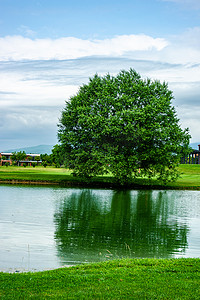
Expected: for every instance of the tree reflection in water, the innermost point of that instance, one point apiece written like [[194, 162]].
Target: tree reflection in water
[[128, 224]]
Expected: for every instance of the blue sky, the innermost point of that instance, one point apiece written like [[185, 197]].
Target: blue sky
[[49, 48]]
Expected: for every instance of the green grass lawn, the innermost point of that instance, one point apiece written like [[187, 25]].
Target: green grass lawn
[[34, 174], [190, 177], [122, 279]]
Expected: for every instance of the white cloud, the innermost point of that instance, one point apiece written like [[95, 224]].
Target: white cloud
[[189, 117], [191, 38], [20, 48], [180, 49], [27, 83], [18, 89], [26, 126]]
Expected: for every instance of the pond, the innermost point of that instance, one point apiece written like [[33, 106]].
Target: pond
[[47, 227]]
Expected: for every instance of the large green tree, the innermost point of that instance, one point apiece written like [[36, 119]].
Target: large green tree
[[125, 125]]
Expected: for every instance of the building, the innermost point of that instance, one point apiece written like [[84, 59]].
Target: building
[[192, 158], [5, 158]]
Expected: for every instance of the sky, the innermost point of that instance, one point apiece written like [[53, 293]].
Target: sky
[[48, 49]]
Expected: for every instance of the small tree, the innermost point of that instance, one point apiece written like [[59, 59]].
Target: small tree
[[46, 159], [57, 156], [122, 124], [18, 156], [44, 164], [37, 158]]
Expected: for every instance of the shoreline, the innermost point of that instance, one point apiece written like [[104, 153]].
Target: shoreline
[[94, 184], [23, 270]]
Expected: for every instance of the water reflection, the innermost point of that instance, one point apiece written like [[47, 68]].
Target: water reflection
[[92, 225]]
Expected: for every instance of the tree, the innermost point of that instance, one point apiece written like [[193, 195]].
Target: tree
[[46, 159], [57, 156], [17, 156], [37, 159], [125, 125]]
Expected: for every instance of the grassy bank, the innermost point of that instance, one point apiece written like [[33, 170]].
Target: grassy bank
[[190, 178], [124, 279], [50, 174]]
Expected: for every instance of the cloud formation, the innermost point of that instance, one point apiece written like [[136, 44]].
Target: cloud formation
[[38, 76], [21, 48]]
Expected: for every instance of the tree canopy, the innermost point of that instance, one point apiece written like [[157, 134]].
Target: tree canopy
[[125, 125], [17, 156]]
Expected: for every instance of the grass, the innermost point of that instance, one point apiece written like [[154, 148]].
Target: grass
[[190, 177], [121, 279], [34, 174]]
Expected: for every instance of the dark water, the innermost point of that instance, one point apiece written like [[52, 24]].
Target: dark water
[[44, 227]]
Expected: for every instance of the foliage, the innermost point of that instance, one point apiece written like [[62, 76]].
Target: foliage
[[46, 159], [44, 164], [124, 125], [57, 156], [17, 156], [37, 159], [119, 279]]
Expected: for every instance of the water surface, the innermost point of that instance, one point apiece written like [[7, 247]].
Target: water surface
[[43, 227]]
